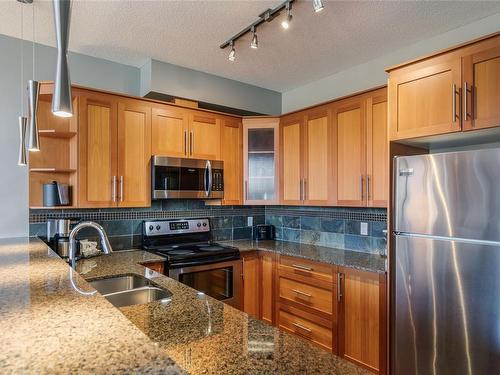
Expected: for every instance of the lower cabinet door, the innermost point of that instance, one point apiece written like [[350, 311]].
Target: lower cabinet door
[[267, 273], [251, 295], [308, 328]]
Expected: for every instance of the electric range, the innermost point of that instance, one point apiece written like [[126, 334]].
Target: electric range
[[194, 259]]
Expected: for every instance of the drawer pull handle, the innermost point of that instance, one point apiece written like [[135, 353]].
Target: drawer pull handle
[[302, 327], [302, 293], [300, 267]]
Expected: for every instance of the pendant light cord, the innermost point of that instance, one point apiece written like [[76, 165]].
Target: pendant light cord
[[22, 60], [33, 9]]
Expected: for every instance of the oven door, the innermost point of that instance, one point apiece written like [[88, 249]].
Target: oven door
[[186, 178], [221, 281]]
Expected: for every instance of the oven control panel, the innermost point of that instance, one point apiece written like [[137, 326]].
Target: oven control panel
[[165, 227]]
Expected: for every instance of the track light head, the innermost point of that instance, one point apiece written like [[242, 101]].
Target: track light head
[[318, 5], [232, 53], [286, 22], [255, 41]]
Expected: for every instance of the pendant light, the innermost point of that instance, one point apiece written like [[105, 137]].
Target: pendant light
[[62, 104], [255, 41], [232, 53], [318, 5], [22, 120], [33, 90]]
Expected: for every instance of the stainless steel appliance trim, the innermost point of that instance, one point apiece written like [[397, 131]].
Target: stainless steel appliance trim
[[165, 161], [235, 300], [208, 188], [165, 228], [179, 194]]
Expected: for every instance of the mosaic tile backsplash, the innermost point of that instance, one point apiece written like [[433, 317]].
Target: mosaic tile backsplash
[[325, 226]]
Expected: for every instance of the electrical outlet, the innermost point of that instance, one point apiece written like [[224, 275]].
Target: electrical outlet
[[364, 229], [250, 221]]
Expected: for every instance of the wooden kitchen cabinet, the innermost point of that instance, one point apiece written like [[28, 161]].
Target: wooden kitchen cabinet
[[232, 156], [267, 287], [98, 159], [361, 152], [169, 131], [251, 284], [261, 160], [425, 99], [134, 153], [204, 136], [114, 151], [362, 318], [291, 134]]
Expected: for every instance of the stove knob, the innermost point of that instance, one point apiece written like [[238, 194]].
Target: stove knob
[[158, 227], [151, 228], [199, 225], [204, 224]]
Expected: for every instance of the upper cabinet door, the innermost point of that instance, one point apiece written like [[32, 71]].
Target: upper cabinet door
[[232, 156], [134, 153], [204, 136], [481, 89], [261, 160], [377, 155], [425, 99], [97, 150], [349, 135], [318, 174], [291, 159], [169, 130]]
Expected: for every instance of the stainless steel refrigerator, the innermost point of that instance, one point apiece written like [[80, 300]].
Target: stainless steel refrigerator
[[446, 266]]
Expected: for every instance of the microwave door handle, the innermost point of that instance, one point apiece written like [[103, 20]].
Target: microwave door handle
[[208, 178]]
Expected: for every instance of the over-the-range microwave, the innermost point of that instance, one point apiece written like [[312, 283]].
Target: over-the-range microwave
[[175, 178]]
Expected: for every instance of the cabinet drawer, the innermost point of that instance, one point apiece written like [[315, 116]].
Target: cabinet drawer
[[306, 268], [318, 299], [306, 328]]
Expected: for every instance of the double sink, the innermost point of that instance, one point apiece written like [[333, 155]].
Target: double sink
[[130, 290]]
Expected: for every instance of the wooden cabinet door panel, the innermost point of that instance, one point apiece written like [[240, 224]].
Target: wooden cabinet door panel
[[251, 294], [204, 137], [134, 153], [291, 160], [426, 101], [360, 318], [232, 156], [480, 106], [349, 120], [169, 131], [315, 298], [317, 157], [377, 174], [309, 329], [97, 150], [267, 287]]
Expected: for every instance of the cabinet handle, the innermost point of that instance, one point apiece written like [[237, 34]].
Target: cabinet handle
[[302, 327], [300, 188], [191, 136], [300, 292], [368, 187], [361, 187], [121, 188], [454, 103], [339, 286], [185, 142], [305, 188], [465, 92], [301, 267], [113, 193], [246, 190]]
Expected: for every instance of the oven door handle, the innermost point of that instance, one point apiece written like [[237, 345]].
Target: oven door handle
[[198, 263], [208, 178]]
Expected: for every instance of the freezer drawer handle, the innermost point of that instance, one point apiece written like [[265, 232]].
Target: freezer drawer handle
[[406, 172]]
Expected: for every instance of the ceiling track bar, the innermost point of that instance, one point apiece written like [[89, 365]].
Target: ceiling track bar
[[266, 16]]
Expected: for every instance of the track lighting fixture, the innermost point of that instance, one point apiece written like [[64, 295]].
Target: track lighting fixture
[[318, 5], [232, 53], [255, 41], [267, 16], [288, 18]]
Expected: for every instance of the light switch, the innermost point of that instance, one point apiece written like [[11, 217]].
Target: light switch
[[364, 229], [250, 221]]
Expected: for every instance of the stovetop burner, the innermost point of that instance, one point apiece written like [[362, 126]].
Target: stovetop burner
[[211, 248], [179, 252]]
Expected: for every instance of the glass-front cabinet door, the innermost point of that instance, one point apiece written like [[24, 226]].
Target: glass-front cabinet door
[[261, 150]]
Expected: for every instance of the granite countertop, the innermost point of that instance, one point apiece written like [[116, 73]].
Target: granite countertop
[[340, 257], [49, 327]]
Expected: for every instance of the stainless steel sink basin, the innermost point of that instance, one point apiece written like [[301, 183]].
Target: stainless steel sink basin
[[119, 283], [139, 296], [130, 290]]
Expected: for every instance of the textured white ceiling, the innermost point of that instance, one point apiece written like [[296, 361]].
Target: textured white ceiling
[[188, 33]]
